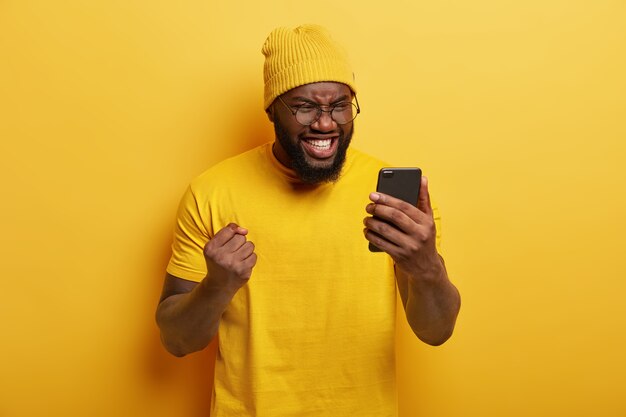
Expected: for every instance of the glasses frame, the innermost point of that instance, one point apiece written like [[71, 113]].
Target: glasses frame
[[320, 111]]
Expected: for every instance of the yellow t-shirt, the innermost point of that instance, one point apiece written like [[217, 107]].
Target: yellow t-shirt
[[312, 333]]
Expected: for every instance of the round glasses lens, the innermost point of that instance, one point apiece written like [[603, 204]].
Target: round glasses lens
[[341, 113], [307, 115], [344, 113]]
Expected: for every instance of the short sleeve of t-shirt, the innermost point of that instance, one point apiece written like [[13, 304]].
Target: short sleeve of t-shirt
[[191, 233]]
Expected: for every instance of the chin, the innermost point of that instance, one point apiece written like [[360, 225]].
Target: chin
[[317, 164], [309, 169]]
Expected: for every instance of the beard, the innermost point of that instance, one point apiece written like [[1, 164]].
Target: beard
[[308, 173]]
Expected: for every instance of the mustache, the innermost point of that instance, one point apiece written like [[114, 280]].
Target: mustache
[[307, 173]]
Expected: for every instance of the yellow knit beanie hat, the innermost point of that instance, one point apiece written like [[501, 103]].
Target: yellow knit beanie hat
[[304, 55]]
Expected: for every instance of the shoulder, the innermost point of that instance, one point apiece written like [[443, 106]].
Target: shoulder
[[360, 161], [360, 171], [230, 171]]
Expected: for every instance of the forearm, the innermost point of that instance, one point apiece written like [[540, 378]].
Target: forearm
[[431, 303], [189, 321]]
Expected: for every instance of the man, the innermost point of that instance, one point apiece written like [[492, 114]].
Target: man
[[306, 313]]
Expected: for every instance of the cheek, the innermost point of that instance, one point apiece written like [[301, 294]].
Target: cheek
[[289, 126], [295, 133]]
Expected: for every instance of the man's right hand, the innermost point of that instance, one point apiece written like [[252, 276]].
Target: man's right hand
[[230, 258], [189, 314]]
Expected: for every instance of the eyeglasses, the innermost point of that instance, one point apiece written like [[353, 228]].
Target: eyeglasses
[[307, 114]]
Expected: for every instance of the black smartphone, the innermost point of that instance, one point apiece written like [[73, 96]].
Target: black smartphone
[[402, 183]]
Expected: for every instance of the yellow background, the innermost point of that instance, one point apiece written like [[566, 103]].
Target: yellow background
[[515, 110]]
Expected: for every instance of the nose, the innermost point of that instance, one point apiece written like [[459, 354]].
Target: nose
[[325, 123]]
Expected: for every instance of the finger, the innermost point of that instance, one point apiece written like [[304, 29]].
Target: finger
[[397, 217], [238, 229], [245, 250], [250, 261], [234, 243], [423, 201], [381, 199], [380, 242], [248, 264], [386, 231], [227, 233]]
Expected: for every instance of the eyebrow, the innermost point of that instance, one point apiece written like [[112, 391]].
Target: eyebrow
[[308, 100]]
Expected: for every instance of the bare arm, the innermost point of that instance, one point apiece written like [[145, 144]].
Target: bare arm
[[189, 313], [431, 301]]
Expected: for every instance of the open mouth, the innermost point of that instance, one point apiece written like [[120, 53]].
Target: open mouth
[[320, 148]]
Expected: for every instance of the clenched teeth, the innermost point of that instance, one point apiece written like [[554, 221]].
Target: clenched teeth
[[320, 144]]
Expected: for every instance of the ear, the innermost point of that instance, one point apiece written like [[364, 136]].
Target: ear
[[270, 113]]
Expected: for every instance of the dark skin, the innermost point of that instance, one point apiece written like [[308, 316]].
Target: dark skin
[[189, 313], [324, 94], [431, 302]]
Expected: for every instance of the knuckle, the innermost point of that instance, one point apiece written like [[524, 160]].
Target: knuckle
[[404, 206], [245, 272], [253, 259], [396, 215], [426, 235], [210, 253], [228, 264]]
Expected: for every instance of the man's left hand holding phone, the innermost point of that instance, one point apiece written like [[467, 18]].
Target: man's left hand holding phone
[[406, 232]]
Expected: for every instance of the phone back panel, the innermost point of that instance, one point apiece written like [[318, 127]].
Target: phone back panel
[[402, 183]]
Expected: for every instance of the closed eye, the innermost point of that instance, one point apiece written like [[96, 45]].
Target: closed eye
[[306, 108], [342, 106]]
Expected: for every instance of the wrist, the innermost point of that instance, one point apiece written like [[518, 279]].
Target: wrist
[[211, 287], [428, 270]]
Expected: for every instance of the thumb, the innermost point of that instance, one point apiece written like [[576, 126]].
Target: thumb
[[237, 229], [423, 201]]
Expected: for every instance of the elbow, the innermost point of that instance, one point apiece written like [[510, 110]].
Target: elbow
[[435, 340], [174, 350], [440, 333], [435, 335], [178, 344], [178, 337], [171, 339], [180, 349]]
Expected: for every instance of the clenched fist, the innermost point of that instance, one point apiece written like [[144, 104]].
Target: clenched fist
[[230, 258]]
